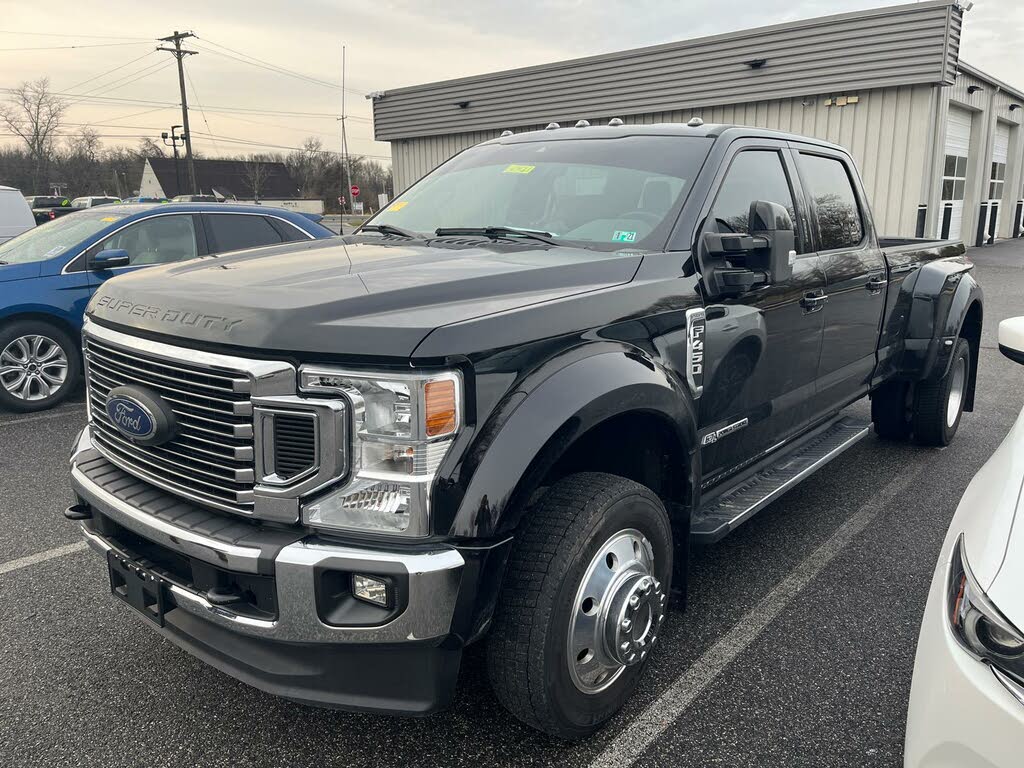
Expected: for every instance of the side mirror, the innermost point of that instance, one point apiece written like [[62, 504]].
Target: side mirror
[[763, 257], [110, 258], [1011, 339]]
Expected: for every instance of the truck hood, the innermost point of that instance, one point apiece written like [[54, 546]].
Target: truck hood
[[333, 297]]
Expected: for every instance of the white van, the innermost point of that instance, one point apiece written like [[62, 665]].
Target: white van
[[15, 215]]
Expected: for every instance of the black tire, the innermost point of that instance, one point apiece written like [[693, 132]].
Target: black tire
[[527, 657], [932, 420], [35, 398], [889, 411]]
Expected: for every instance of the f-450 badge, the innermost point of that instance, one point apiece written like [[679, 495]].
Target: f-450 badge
[[695, 327]]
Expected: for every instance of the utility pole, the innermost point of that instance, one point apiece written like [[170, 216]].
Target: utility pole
[[180, 54], [175, 138], [344, 142]]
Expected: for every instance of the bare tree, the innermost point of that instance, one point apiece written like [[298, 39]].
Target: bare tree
[[35, 114], [255, 173], [149, 148]]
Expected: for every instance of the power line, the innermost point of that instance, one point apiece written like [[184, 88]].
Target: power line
[[70, 47], [109, 71], [201, 110], [121, 82], [253, 60], [247, 142], [57, 34], [113, 100]]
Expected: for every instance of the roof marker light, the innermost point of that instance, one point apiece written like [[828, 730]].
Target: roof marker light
[[505, 133], [582, 124], [615, 122], [551, 126], [695, 122]]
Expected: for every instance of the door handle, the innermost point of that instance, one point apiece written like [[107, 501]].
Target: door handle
[[876, 284], [813, 302]]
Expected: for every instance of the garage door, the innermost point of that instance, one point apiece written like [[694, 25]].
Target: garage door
[[954, 173], [997, 177]]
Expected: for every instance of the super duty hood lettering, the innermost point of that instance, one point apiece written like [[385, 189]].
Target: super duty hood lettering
[[181, 317]]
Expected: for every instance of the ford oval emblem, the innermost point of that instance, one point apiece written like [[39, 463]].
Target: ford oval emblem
[[131, 417]]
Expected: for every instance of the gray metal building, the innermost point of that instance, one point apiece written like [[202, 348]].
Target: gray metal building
[[939, 143]]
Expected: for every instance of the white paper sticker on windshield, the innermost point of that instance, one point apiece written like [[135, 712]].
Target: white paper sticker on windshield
[[55, 250]]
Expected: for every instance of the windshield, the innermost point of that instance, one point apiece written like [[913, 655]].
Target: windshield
[[600, 193], [54, 238]]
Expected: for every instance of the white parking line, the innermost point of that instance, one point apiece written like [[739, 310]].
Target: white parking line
[[41, 557], [44, 416], [629, 745]]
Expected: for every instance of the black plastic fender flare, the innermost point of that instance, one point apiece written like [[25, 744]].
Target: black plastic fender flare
[[548, 412], [942, 296]]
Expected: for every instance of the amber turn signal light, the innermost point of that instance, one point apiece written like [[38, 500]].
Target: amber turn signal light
[[441, 413]]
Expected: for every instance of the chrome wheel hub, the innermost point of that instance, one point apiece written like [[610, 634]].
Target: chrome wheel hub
[[956, 392], [33, 367], [617, 613]]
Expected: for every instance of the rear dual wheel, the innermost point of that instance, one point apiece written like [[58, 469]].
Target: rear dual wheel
[[932, 410], [584, 600]]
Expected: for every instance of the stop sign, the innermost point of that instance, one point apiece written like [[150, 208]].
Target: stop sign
[[355, 191]]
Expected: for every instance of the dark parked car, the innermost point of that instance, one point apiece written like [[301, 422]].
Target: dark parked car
[[48, 207], [48, 274], [503, 410]]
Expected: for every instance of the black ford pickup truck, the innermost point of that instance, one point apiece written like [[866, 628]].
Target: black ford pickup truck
[[503, 410]]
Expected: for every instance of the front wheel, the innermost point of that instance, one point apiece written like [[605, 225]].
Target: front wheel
[[39, 365], [584, 599]]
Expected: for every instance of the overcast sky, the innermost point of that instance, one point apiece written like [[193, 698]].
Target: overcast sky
[[390, 43]]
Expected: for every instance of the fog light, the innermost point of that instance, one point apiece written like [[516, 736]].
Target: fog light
[[371, 589]]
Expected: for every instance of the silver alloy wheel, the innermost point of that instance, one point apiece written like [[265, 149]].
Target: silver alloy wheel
[[956, 392], [33, 367], [617, 613]]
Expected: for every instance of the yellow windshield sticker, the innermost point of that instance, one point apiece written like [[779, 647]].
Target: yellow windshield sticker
[[398, 206], [112, 218], [519, 169]]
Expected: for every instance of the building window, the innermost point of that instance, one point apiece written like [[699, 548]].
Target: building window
[[995, 185], [954, 177]]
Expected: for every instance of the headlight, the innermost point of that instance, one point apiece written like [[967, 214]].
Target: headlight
[[977, 624], [403, 426]]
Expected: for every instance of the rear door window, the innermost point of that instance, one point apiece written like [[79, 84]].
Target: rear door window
[[233, 232], [836, 210]]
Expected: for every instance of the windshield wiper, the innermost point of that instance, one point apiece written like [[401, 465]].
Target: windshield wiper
[[533, 234], [386, 229]]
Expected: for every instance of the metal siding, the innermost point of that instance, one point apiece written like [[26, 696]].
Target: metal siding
[[883, 132], [869, 49]]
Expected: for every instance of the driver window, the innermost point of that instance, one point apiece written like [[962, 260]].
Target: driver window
[[753, 175], [159, 240]]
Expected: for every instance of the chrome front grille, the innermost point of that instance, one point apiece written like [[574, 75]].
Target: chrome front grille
[[211, 457]]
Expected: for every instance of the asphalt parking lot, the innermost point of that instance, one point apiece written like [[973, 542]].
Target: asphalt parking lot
[[796, 648]]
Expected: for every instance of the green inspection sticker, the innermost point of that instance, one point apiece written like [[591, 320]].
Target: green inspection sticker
[[519, 169], [622, 236]]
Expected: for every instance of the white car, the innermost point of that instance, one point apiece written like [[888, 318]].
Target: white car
[[15, 215], [967, 698]]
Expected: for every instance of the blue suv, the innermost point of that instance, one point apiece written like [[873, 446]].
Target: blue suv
[[48, 274]]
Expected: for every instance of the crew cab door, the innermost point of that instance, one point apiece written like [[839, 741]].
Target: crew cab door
[[762, 344], [855, 275]]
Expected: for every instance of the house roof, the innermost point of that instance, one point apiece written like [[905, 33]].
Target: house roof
[[229, 177]]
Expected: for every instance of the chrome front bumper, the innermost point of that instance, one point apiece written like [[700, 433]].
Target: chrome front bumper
[[434, 577]]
